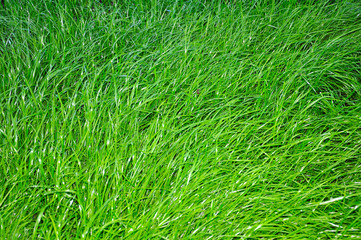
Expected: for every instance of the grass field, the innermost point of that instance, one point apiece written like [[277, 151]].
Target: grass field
[[180, 119]]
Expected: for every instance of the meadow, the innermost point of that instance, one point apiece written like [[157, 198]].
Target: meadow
[[180, 119]]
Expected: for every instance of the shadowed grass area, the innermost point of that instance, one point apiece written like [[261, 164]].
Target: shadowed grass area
[[180, 119]]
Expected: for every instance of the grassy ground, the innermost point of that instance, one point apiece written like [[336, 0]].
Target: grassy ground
[[180, 119]]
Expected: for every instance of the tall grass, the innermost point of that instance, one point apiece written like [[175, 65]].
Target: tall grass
[[180, 119]]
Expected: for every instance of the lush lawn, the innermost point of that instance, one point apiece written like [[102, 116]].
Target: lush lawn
[[180, 119]]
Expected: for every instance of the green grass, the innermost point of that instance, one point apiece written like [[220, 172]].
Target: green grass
[[180, 120]]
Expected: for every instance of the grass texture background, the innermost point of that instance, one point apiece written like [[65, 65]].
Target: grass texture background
[[180, 119]]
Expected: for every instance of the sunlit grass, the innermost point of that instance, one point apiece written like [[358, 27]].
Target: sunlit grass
[[180, 119]]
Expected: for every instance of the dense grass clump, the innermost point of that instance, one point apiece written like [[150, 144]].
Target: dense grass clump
[[180, 119]]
